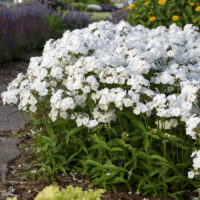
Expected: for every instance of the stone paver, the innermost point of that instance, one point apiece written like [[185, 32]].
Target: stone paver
[[8, 153], [2, 88], [10, 119]]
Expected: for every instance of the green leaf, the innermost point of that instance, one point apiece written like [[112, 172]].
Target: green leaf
[[155, 136], [142, 154], [72, 132], [142, 181], [151, 185], [157, 157], [117, 149], [174, 179], [137, 123], [112, 130], [128, 113], [47, 139], [146, 143], [62, 169], [115, 142], [92, 162], [50, 131], [153, 173], [118, 180], [122, 121], [172, 196], [110, 166], [72, 157], [90, 103]]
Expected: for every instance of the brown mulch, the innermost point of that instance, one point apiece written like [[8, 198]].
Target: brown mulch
[[24, 188], [9, 71]]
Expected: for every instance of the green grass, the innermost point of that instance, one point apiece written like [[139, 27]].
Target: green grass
[[100, 15]]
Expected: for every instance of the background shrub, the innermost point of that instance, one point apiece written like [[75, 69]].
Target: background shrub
[[165, 12], [26, 27], [18, 28], [106, 5], [92, 1], [107, 8], [78, 6], [62, 21], [119, 15]]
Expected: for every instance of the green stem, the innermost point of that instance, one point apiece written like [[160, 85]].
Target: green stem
[[109, 141], [100, 156], [182, 152], [164, 151], [164, 165]]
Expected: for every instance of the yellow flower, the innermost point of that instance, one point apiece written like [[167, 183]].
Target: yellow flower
[[152, 18], [149, 13], [197, 9], [147, 3], [194, 21], [162, 2], [191, 3], [130, 7], [175, 18]]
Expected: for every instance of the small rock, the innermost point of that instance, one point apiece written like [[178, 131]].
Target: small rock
[[2, 88], [10, 119]]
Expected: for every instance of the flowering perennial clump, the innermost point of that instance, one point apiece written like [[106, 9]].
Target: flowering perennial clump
[[90, 74]]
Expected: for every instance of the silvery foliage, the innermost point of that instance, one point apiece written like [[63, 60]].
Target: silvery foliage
[[94, 7], [110, 64]]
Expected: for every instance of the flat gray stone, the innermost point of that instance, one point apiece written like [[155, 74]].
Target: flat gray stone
[[9, 152], [2, 88], [10, 119]]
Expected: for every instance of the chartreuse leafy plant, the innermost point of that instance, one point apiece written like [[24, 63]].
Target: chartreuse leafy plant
[[154, 13], [119, 104], [70, 193]]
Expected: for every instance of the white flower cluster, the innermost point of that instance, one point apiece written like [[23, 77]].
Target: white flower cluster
[[111, 63], [150, 71], [196, 164], [168, 124]]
